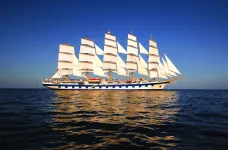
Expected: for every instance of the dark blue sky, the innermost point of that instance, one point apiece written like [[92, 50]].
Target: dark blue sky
[[194, 34]]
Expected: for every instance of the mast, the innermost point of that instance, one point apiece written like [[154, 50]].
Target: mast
[[86, 56], [110, 54], [132, 54], [65, 60], [153, 59]]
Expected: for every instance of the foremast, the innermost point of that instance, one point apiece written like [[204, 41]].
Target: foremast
[[86, 56], [110, 54], [65, 61], [153, 59], [132, 55]]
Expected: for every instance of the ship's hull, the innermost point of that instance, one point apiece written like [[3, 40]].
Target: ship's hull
[[120, 86]]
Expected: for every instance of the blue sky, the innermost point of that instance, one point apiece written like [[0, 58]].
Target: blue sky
[[194, 35]]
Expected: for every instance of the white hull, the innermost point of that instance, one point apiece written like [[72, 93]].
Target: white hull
[[125, 86]]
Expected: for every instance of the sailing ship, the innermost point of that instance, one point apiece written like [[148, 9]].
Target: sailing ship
[[88, 65]]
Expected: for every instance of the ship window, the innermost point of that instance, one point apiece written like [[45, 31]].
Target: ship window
[[139, 85], [106, 87], [79, 86], [87, 87], [65, 86], [146, 85], [120, 86], [72, 87], [59, 86], [126, 86], [100, 87], [133, 86], [113, 86]]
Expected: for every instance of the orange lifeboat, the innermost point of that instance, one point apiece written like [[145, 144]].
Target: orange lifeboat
[[94, 80]]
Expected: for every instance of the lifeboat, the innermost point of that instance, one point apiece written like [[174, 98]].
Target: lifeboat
[[128, 81], [94, 80]]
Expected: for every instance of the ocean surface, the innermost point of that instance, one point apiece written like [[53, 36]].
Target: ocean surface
[[169, 119]]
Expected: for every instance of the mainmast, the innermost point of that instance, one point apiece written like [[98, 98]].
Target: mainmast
[[132, 54], [153, 58], [110, 54], [65, 60], [86, 56]]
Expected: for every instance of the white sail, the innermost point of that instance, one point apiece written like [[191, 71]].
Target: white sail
[[57, 75], [121, 71], [142, 62], [161, 71], [84, 49], [153, 43], [161, 75], [87, 42], [142, 69], [142, 49], [76, 69], [65, 65], [86, 55], [132, 37], [168, 73], [153, 73], [99, 51], [110, 53], [153, 51], [132, 50], [98, 67], [153, 59], [120, 62], [132, 43], [121, 67], [64, 48], [65, 57], [121, 49], [110, 37], [132, 53], [171, 65]]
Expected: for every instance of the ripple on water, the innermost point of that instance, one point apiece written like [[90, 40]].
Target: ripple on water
[[172, 119]]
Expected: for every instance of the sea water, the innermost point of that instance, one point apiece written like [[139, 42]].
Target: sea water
[[166, 119]]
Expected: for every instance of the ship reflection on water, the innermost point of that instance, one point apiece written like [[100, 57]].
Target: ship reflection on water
[[105, 119]]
